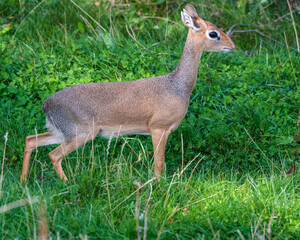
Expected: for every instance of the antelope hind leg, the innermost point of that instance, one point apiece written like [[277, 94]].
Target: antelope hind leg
[[32, 142]]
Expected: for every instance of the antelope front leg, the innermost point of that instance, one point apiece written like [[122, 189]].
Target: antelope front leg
[[159, 140]]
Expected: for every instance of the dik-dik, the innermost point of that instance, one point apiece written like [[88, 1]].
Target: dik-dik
[[152, 106]]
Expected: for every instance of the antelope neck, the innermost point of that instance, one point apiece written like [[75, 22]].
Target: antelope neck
[[184, 77]]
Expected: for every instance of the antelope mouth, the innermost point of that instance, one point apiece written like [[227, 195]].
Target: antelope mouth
[[228, 50]]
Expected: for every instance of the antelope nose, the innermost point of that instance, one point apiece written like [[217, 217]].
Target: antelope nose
[[233, 46]]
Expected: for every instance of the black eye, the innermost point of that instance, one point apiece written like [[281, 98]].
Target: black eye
[[213, 34]]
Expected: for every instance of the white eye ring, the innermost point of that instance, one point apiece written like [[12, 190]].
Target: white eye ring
[[215, 38]]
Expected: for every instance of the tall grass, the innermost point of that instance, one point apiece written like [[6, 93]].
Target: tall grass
[[100, 201]]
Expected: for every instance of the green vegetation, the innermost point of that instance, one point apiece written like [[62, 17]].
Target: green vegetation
[[225, 165]]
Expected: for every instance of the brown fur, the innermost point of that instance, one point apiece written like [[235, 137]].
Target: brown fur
[[154, 106]]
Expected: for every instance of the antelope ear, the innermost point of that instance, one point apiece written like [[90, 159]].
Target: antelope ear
[[191, 11], [189, 21]]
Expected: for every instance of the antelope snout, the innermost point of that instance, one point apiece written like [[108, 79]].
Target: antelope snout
[[230, 47], [233, 47]]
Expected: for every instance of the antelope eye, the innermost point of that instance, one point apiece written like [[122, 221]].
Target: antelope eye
[[213, 34]]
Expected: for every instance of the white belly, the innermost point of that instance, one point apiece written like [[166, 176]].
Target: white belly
[[115, 131]]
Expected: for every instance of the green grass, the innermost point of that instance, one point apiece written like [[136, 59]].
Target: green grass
[[235, 143], [99, 201]]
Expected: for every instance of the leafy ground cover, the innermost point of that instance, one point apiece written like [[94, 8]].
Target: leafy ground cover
[[225, 165]]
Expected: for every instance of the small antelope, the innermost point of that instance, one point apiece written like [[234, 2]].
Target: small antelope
[[152, 106]]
